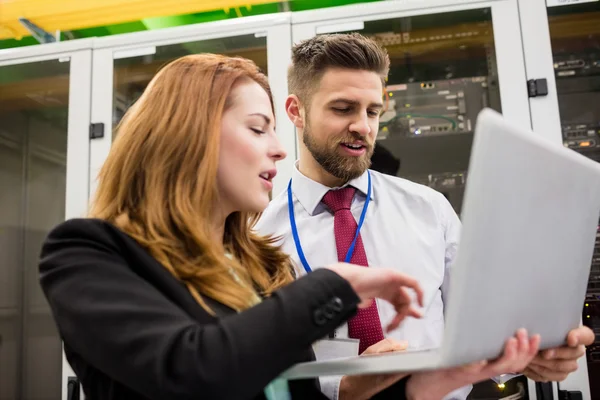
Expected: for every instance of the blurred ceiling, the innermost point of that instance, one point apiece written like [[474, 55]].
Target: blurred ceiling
[[94, 18], [77, 14]]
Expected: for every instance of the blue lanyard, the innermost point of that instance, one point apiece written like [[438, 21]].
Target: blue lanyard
[[295, 229]]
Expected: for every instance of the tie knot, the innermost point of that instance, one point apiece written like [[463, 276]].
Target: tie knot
[[340, 199]]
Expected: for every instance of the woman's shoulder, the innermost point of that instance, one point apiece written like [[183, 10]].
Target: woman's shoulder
[[85, 228], [82, 242], [91, 233]]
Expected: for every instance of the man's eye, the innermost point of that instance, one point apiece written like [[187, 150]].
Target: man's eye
[[341, 110], [373, 113]]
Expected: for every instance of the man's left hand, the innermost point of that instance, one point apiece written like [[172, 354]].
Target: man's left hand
[[554, 365]]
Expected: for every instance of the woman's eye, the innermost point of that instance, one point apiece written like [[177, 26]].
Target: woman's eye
[[256, 130]]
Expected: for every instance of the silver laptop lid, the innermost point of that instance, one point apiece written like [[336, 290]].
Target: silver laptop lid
[[529, 218]]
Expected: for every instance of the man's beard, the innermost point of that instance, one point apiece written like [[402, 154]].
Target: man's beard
[[342, 167]]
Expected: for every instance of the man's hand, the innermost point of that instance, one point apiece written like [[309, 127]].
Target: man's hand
[[358, 387], [554, 365]]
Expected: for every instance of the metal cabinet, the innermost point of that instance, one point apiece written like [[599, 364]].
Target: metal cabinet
[[44, 147]]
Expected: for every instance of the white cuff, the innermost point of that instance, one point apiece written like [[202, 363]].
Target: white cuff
[[330, 386]]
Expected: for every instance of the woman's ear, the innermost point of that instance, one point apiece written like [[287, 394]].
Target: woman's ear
[[293, 107]]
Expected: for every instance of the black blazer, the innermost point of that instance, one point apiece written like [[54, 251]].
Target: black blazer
[[132, 331]]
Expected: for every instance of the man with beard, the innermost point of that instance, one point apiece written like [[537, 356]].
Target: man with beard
[[336, 209]]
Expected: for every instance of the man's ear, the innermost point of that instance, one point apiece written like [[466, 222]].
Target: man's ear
[[293, 107]]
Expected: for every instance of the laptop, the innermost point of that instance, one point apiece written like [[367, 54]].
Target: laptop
[[530, 216]]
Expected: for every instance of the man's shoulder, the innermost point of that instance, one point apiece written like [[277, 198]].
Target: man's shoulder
[[406, 188], [420, 199]]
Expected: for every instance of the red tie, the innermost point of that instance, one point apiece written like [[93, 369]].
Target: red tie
[[365, 325]]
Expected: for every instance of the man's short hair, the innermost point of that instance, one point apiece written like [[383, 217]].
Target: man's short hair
[[312, 57]]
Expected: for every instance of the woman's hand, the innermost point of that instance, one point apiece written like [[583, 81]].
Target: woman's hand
[[385, 284], [434, 385]]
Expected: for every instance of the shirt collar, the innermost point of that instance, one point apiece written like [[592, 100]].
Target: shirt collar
[[310, 193]]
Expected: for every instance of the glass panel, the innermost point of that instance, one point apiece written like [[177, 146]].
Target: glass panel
[[33, 144], [575, 36], [132, 75], [443, 72]]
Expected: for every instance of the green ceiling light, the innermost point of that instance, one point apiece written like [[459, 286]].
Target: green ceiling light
[[126, 27], [303, 5], [168, 22]]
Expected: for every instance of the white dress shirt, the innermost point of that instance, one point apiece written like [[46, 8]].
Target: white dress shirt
[[408, 226]]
